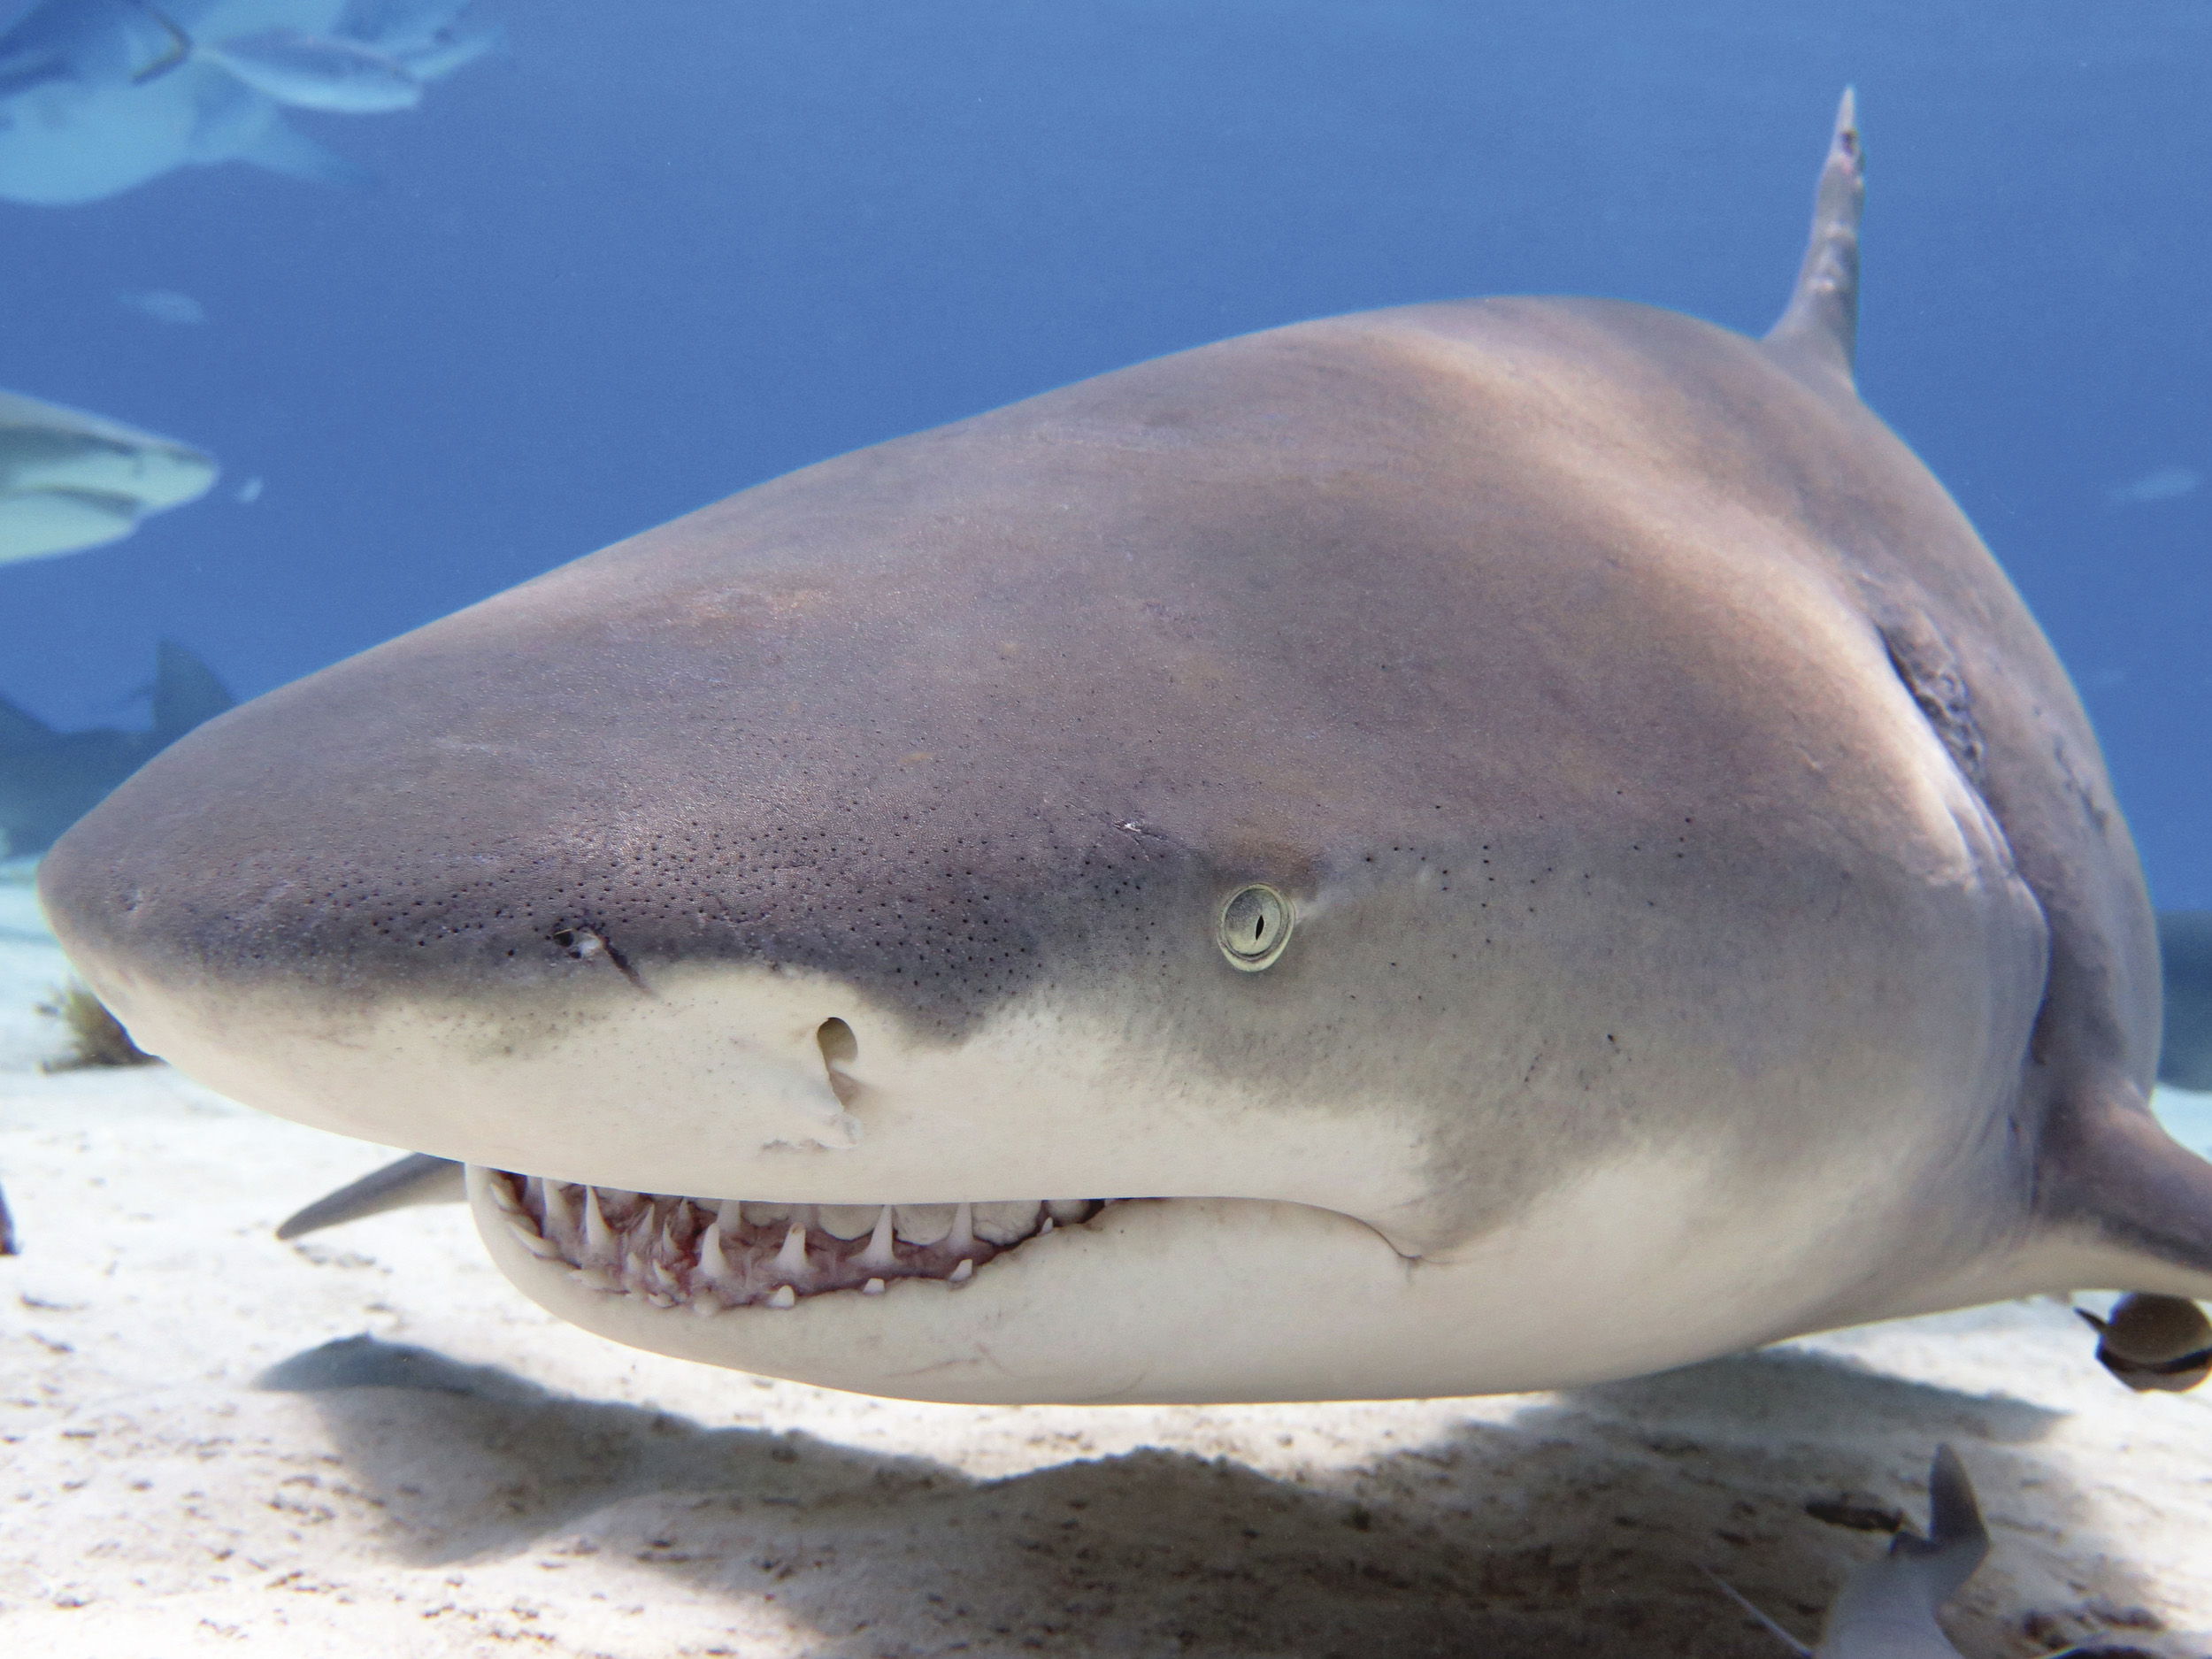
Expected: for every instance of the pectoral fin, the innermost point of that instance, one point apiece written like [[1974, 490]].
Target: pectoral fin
[[2124, 1205], [417, 1178]]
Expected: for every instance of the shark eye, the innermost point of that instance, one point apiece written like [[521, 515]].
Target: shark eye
[[1253, 926]]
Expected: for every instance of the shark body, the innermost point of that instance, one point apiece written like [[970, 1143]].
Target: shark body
[[1475, 847]]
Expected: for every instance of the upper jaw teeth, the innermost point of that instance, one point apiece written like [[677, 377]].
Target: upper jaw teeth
[[711, 1255]]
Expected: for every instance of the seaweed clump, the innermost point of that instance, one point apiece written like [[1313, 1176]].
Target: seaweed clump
[[95, 1036]]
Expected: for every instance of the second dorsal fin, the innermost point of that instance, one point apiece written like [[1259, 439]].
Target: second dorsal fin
[[1819, 330]]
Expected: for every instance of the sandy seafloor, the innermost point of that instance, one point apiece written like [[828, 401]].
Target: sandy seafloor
[[214, 1443]]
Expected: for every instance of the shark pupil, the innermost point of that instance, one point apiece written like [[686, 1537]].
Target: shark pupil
[[1254, 927]]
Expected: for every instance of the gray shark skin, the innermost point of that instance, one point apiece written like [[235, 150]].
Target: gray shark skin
[[70, 480], [48, 780], [2184, 947], [1468, 848]]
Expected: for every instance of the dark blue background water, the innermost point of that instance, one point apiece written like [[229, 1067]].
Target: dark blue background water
[[662, 248]]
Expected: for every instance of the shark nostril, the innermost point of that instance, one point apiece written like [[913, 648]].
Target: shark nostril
[[840, 1048]]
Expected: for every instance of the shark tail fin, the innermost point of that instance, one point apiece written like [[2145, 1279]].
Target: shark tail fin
[[19, 727], [186, 692], [1819, 329]]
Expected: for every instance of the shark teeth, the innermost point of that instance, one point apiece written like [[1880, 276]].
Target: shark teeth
[[710, 1255]]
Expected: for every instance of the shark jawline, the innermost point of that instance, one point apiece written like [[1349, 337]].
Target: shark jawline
[[713, 1255]]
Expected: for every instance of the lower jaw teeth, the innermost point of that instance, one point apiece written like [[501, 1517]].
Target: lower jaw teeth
[[713, 1254]]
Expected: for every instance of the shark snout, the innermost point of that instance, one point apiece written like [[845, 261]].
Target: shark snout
[[411, 925]]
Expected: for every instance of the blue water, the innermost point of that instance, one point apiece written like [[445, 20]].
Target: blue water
[[658, 249]]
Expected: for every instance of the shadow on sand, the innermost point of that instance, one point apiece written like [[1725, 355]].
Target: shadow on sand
[[1576, 1527]]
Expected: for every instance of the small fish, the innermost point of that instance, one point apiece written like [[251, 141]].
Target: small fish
[[249, 492], [2168, 483], [2155, 1342], [165, 305], [1888, 1609], [315, 72]]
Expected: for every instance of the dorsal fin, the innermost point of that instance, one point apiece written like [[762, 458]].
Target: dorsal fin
[[1819, 330], [20, 728], [1954, 1518], [186, 692]]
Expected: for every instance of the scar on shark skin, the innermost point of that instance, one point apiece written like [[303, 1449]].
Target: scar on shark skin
[[589, 944]]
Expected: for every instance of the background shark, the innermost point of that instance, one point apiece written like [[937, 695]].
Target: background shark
[[99, 95], [70, 480], [48, 780]]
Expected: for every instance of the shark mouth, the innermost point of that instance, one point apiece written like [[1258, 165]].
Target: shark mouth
[[711, 1255]]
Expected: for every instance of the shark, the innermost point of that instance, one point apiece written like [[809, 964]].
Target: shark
[[70, 480], [50, 779], [1474, 847], [99, 96]]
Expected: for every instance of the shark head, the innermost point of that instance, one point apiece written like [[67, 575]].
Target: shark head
[[1410, 853], [70, 480]]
